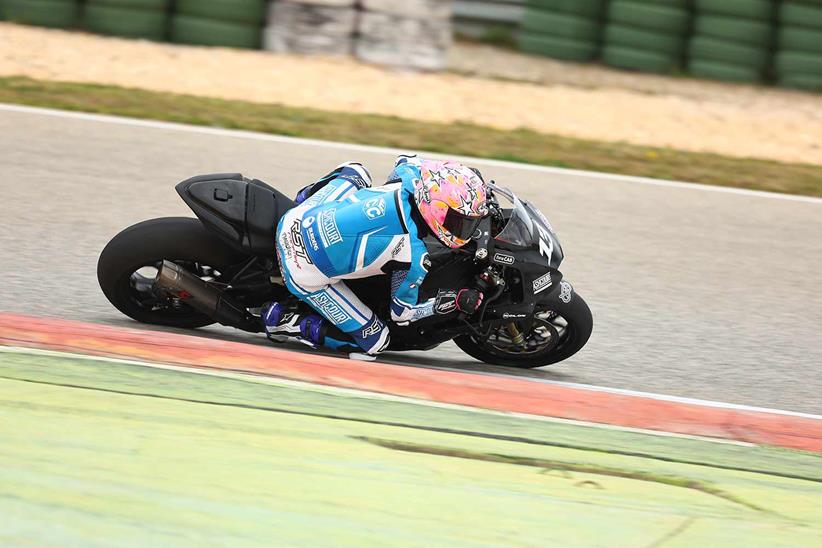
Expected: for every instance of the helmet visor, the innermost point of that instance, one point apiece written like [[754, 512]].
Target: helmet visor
[[460, 226]]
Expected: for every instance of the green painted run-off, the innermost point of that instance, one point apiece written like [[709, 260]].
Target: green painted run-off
[[104, 453]]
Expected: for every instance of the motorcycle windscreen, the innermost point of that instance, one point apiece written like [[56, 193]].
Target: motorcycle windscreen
[[459, 225], [519, 230]]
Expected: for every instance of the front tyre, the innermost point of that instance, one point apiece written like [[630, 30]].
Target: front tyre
[[558, 332]]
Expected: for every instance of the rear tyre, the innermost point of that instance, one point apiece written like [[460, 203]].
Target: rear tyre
[[571, 323], [125, 268]]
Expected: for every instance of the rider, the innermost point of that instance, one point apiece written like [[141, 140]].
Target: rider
[[342, 228]]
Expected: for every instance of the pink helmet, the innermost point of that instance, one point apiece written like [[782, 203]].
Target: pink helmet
[[451, 199]]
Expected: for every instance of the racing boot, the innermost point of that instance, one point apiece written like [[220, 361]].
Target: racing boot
[[371, 339], [281, 321], [364, 344]]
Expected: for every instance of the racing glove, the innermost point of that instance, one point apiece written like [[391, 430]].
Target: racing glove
[[469, 300], [464, 300]]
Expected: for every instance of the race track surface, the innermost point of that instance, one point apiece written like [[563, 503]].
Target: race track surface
[[695, 293]]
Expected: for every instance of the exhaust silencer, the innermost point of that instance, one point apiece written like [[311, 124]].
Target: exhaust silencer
[[203, 297]]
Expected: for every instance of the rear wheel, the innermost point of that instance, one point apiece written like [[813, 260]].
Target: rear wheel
[[556, 334], [129, 263]]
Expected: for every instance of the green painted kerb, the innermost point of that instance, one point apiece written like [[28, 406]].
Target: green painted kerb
[[103, 453]]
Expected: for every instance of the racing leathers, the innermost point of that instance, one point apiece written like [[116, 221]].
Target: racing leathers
[[345, 229]]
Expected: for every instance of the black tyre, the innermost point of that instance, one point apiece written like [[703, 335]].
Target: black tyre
[[206, 32], [584, 8], [568, 326], [125, 268], [730, 53], [792, 62], [811, 82], [746, 31], [749, 9], [155, 5], [800, 14], [239, 11], [799, 39], [559, 25], [558, 48], [45, 13], [639, 59], [654, 17], [131, 23], [625, 36], [715, 70]]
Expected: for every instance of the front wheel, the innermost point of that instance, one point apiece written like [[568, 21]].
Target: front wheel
[[558, 332]]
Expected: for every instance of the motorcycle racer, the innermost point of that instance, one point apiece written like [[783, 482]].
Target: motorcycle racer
[[343, 228]]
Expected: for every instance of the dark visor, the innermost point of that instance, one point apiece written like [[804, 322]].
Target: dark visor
[[459, 225]]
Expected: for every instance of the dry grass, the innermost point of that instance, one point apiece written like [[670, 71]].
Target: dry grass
[[460, 139]]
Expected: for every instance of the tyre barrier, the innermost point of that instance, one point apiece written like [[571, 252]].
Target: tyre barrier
[[650, 15], [646, 35], [187, 29], [798, 61], [758, 10], [249, 12], [44, 13], [558, 48], [732, 39], [745, 31], [569, 30], [127, 18]]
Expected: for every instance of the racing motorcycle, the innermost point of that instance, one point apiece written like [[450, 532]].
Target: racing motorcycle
[[220, 267]]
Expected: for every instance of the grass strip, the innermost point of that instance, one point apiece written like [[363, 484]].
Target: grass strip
[[519, 145]]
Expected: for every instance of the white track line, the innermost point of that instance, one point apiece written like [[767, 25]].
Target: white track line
[[241, 134], [637, 393], [326, 389]]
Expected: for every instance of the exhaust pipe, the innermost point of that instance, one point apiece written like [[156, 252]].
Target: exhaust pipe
[[203, 297]]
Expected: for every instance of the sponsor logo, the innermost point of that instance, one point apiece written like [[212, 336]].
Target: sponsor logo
[[329, 308], [425, 262], [446, 302], [308, 221], [329, 233], [299, 246], [565, 292], [546, 242], [503, 258], [542, 283], [398, 248], [372, 329], [319, 196], [374, 208], [312, 239], [356, 180], [508, 315], [423, 192], [482, 253]]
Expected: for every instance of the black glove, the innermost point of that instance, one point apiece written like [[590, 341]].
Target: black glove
[[469, 300]]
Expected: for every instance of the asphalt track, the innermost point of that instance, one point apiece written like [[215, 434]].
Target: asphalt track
[[696, 292]]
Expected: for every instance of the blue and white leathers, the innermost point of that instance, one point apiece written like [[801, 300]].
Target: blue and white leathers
[[348, 230]]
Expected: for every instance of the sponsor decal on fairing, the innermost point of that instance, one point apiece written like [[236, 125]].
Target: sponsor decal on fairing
[[502, 258], [542, 283], [565, 292]]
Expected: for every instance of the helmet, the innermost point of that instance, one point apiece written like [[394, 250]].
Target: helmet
[[451, 199]]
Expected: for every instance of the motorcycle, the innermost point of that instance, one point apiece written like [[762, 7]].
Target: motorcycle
[[220, 267]]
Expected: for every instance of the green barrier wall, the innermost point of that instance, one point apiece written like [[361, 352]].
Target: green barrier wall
[[755, 41]]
